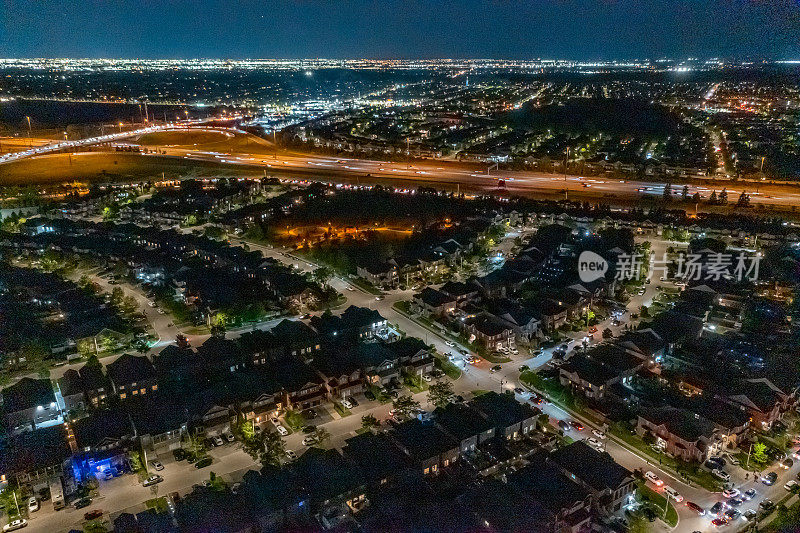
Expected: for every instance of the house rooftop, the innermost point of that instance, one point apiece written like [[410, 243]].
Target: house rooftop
[[375, 455], [548, 484], [461, 421], [596, 469], [683, 423], [433, 298], [28, 393], [130, 369], [502, 410], [423, 440]]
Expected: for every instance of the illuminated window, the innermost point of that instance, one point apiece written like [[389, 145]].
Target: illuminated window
[[155, 387], [135, 392], [123, 396]]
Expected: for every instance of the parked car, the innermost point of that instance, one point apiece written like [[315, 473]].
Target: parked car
[[204, 462], [179, 454], [218, 441], [156, 465], [291, 455], [282, 430], [14, 525], [732, 514], [496, 368], [309, 429], [750, 514], [791, 485], [594, 442], [519, 390], [749, 494], [577, 425], [347, 404], [767, 505], [83, 502], [717, 508], [719, 522], [91, 515], [369, 396], [152, 480], [309, 441], [427, 378], [353, 401], [599, 434], [787, 463], [229, 437], [652, 478], [723, 475]]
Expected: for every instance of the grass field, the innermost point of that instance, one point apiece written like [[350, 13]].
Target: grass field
[[96, 166], [211, 141]]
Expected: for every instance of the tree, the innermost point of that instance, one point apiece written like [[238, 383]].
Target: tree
[[321, 435], [406, 405], [668, 192], [645, 312], [696, 197], [685, 192], [368, 422], [265, 447], [638, 524], [760, 452], [713, 198], [723, 196], [322, 275], [744, 200], [129, 305], [440, 393], [117, 296]]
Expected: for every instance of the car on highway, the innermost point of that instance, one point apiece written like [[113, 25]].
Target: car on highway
[[14, 525], [674, 494], [152, 480], [696, 508], [653, 478], [93, 514]]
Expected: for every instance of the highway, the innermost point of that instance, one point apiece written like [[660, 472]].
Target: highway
[[450, 175]]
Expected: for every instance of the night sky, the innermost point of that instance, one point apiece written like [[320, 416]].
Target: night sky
[[514, 29]]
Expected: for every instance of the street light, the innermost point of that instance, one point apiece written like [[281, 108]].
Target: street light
[[30, 136]]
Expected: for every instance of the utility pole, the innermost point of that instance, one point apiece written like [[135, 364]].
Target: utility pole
[[146, 114], [408, 155]]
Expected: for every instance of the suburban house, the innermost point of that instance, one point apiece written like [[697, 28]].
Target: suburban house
[[680, 432], [765, 402], [380, 273], [433, 303], [430, 448], [377, 457], [510, 418], [608, 483], [489, 332], [592, 374], [413, 356], [132, 375], [30, 403], [465, 424]]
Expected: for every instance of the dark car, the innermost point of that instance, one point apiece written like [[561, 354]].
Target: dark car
[[204, 462], [309, 429], [496, 368], [767, 505], [576, 425], [770, 478], [369, 396], [179, 454], [310, 414], [734, 502], [352, 401], [91, 515], [696, 508], [732, 514], [717, 508], [83, 502], [749, 494]]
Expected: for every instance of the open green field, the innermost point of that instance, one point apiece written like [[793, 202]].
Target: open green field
[[97, 166], [207, 140]]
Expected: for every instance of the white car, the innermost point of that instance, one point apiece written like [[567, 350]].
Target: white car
[[156, 465], [15, 525], [654, 479], [218, 441], [791, 485], [730, 493], [594, 442], [347, 404], [599, 434], [282, 430], [450, 343], [291, 455], [427, 378], [33, 505], [723, 475], [309, 441]]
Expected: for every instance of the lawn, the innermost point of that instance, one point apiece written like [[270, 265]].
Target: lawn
[[479, 392], [646, 494], [496, 358], [451, 370], [159, 504], [294, 419], [341, 409]]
